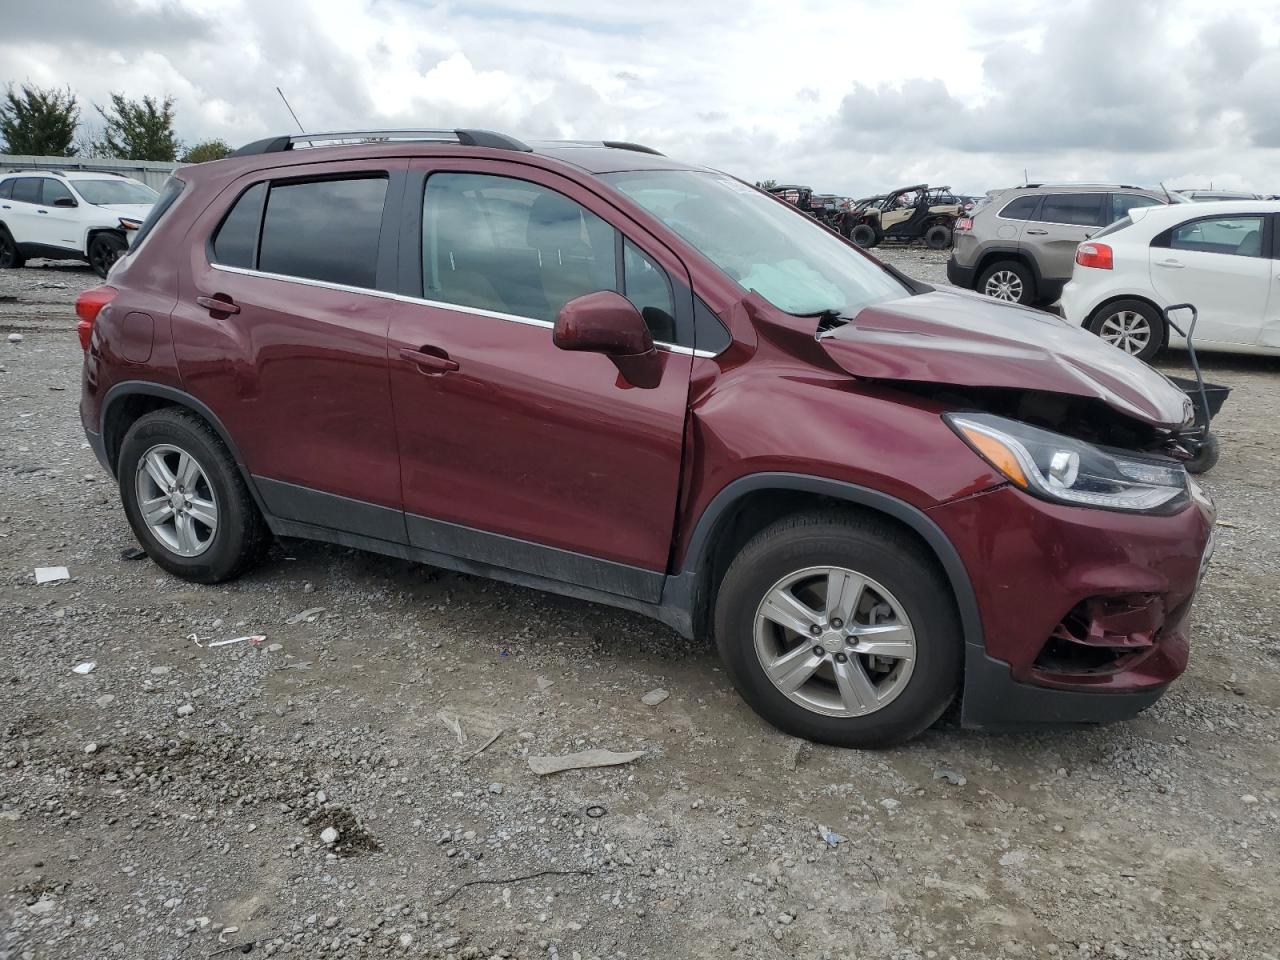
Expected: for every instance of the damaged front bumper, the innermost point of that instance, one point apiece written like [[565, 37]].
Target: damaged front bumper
[[1084, 612]]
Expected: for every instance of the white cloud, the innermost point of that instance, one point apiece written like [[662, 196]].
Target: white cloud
[[853, 97]]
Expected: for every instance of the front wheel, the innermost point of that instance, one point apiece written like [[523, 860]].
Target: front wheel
[[1131, 325], [864, 235], [840, 629], [104, 250]]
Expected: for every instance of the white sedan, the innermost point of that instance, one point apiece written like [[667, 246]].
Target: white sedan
[[1223, 257]]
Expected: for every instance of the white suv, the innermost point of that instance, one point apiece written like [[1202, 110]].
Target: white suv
[[61, 216]]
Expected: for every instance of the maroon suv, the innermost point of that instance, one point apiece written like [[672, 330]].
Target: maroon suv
[[590, 369]]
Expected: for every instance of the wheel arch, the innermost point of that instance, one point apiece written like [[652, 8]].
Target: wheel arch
[[747, 505], [92, 233], [125, 402], [1116, 298], [996, 254]]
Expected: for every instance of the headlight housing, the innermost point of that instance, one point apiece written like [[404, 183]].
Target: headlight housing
[[1065, 470]]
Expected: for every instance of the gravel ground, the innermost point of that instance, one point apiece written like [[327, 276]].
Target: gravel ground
[[181, 800]]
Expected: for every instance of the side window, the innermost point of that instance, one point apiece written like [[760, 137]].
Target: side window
[[649, 289], [1234, 236], [55, 190], [236, 242], [27, 189], [1122, 203], [506, 245], [6, 189], [1023, 208], [324, 230], [1081, 209]]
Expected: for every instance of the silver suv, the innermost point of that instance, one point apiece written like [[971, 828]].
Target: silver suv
[[1021, 246]]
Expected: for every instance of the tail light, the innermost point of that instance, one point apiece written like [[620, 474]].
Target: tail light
[[1096, 255], [88, 305], [964, 223]]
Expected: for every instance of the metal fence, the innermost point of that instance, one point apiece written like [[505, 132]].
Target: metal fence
[[151, 172]]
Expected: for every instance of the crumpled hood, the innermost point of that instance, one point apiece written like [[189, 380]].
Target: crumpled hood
[[138, 211], [973, 341]]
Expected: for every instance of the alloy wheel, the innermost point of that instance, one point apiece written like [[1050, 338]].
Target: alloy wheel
[[834, 641], [1128, 330], [1004, 285], [176, 500]]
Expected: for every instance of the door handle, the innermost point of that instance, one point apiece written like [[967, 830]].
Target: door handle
[[42, 211], [430, 360], [218, 305], [1037, 233], [1170, 264]]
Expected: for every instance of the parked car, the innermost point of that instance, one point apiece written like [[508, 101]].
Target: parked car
[[594, 370], [1020, 247], [69, 216], [1223, 257], [1204, 196]]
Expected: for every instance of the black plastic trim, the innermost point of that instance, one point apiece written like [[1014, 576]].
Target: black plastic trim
[[679, 590], [49, 251], [523, 556], [993, 699], [291, 501], [959, 276], [266, 145], [488, 138]]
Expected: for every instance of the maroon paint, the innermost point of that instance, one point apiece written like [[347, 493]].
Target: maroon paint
[[334, 390]]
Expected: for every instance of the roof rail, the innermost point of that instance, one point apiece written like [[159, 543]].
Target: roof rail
[[628, 145], [467, 138], [1079, 183]]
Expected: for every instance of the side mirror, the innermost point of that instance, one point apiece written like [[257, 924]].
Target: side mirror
[[65, 202], [607, 322]]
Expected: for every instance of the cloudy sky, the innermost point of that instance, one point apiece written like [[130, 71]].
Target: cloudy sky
[[849, 95]]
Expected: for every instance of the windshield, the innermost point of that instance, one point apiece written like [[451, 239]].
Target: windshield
[[763, 245], [114, 191]]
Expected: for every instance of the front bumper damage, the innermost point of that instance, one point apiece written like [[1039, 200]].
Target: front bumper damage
[[1085, 613]]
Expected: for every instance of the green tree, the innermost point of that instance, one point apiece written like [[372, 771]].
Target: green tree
[[139, 129], [41, 123], [207, 150]]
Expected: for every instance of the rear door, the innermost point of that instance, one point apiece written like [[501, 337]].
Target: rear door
[[295, 365], [516, 453], [1221, 265], [1065, 220]]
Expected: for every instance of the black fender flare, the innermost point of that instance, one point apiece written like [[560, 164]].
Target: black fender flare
[[681, 590], [992, 254]]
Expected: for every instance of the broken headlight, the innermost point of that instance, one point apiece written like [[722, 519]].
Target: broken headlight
[[1056, 467]]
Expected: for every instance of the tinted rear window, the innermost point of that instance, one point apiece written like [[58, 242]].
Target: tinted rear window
[[6, 189], [324, 230], [1083, 209], [168, 193], [236, 243], [1020, 209], [27, 189]]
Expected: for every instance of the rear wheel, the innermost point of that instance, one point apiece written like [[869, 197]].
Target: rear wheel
[[839, 628], [864, 235], [1008, 280], [10, 258], [1131, 325], [938, 237], [104, 250], [186, 500]]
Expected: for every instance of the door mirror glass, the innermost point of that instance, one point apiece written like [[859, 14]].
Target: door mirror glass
[[603, 322]]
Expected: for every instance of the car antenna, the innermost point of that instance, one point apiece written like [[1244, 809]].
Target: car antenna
[[290, 109], [1166, 192]]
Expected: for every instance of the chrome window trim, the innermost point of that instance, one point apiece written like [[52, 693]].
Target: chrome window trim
[[441, 304]]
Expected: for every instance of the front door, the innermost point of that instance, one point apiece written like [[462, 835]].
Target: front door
[[515, 453], [59, 225], [1219, 264]]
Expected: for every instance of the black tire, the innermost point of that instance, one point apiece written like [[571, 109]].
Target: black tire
[[104, 250], [1105, 320], [863, 234], [241, 535], [1010, 276], [938, 237], [878, 550], [1206, 457], [10, 258]]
